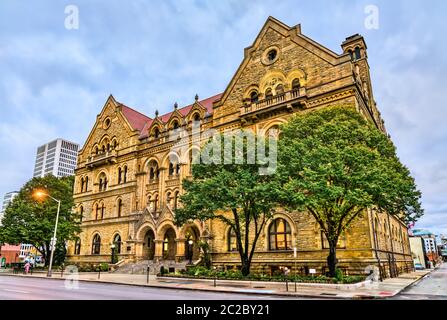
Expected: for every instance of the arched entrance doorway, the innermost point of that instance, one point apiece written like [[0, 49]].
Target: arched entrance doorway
[[169, 246], [192, 249], [149, 245]]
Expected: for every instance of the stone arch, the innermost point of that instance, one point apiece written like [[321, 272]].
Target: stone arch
[[271, 80], [167, 233], [191, 233], [190, 154], [146, 236], [163, 226], [296, 74], [270, 124], [249, 90]]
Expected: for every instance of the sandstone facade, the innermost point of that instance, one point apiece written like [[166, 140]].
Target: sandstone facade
[[127, 184]]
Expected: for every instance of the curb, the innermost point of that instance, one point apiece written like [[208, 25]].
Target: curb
[[194, 289]]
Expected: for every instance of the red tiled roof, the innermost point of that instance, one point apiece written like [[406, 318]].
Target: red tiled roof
[[142, 123], [136, 119]]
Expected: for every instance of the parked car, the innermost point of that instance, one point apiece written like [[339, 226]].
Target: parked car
[[418, 266]]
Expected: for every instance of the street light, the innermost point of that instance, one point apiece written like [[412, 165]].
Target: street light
[[39, 195], [190, 242], [113, 252]]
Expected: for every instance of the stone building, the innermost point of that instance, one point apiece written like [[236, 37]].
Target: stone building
[[127, 184]]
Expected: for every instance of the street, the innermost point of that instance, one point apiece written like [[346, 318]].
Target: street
[[21, 288], [432, 287]]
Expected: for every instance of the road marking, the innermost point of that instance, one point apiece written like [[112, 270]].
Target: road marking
[[16, 291]]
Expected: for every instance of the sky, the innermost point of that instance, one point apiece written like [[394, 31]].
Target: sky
[[54, 80]]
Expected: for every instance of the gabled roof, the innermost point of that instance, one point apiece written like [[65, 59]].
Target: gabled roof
[[136, 119], [142, 123]]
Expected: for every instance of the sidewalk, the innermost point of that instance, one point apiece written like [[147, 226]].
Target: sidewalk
[[385, 289]]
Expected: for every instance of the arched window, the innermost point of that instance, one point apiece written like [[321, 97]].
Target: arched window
[[81, 213], [77, 247], [351, 55], [273, 131], [296, 84], [279, 89], [96, 244], [86, 184], [154, 172], [82, 184], [232, 242], [171, 169], [280, 235], [96, 150], [103, 149], [117, 243], [125, 174], [254, 97], [119, 175], [119, 207], [175, 125], [268, 93], [197, 117], [357, 53], [97, 211], [115, 144], [108, 147], [103, 209], [102, 182]]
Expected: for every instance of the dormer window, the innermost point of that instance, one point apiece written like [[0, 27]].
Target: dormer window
[[156, 133], [175, 125], [197, 117]]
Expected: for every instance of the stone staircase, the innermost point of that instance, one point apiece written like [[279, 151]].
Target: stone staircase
[[140, 267]]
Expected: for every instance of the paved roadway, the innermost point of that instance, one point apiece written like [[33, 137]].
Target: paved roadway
[[19, 288], [432, 287]]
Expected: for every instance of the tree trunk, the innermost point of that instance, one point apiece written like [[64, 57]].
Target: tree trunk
[[245, 267], [332, 258]]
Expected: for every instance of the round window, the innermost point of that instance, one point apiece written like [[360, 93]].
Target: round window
[[107, 123], [271, 55]]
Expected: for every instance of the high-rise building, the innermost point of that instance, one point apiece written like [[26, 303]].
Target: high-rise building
[[7, 199], [57, 157]]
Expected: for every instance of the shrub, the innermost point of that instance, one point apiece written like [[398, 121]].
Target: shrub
[[104, 267]]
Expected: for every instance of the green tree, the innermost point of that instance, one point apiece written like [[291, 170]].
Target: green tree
[[236, 194], [334, 164], [27, 220]]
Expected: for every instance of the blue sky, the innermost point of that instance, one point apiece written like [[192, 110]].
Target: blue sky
[[150, 54]]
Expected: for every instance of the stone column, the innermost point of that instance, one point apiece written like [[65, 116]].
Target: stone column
[[158, 250], [180, 252]]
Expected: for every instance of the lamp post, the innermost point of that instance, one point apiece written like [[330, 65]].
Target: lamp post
[[39, 194], [190, 248], [113, 252]]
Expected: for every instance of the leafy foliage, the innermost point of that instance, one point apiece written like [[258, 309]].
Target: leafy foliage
[[335, 164], [27, 220], [236, 194]]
